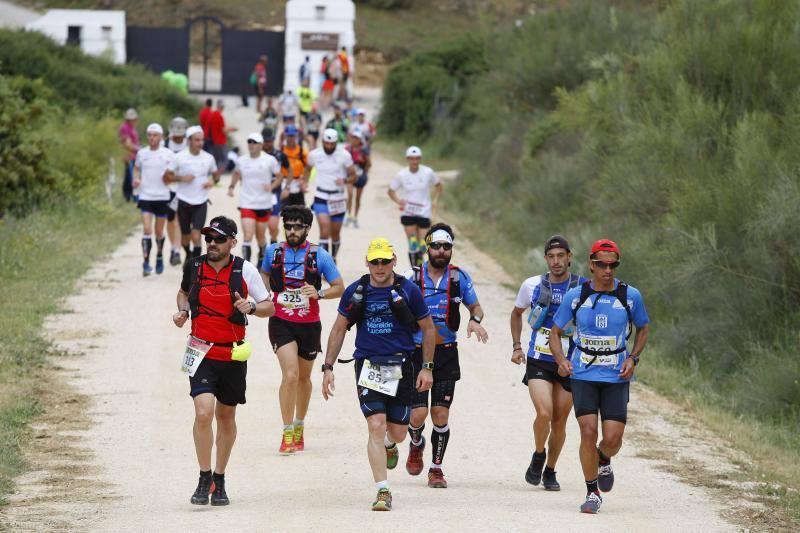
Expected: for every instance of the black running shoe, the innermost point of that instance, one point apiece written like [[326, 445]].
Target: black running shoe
[[534, 473], [219, 497], [200, 496], [549, 481], [175, 258]]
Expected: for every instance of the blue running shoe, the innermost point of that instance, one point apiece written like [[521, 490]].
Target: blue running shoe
[[592, 503], [146, 269], [605, 478], [159, 265]]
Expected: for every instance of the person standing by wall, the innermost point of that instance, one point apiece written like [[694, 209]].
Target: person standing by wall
[[258, 79], [129, 139]]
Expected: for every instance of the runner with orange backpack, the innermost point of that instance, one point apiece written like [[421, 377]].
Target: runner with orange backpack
[[294, 186]]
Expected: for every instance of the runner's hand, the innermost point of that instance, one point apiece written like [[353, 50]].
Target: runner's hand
[[209, 184], [188, 178], [402, 203], [340, 181], [309, 291], [565, 368], [180, 318], [230, 192], [241, 304], [626, 372], [136, 183], [478, 330], [267, 186], [327, 385], [517, 356], [424, 380]]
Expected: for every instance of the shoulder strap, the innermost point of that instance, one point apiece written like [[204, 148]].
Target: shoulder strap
[[419, 278], [621, 293], [586, 292], [545, 292], [574, 280]]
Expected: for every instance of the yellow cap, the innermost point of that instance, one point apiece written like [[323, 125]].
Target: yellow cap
[[380, 248]]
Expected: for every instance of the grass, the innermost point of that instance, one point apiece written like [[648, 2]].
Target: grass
[[41, 258]]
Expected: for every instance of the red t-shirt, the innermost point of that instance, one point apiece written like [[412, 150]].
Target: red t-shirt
[[216, 126], [205, 116]]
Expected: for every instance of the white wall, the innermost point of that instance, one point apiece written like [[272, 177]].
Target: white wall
[[301, 17], [101, 31]]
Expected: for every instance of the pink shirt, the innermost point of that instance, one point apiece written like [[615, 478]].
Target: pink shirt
[[128, 131]]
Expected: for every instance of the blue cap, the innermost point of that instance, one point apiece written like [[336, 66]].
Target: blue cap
[[291, 129]]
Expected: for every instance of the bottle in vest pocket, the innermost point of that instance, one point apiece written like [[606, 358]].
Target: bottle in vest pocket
[[355, 310], [537, 316], [400, 309]]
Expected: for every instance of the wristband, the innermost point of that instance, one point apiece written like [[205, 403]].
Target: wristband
[[476, 319], [185, 311], [635, 360], [326, 366], [428, 365]]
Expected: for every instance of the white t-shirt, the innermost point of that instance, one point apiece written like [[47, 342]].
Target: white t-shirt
[[255, 283], [329, 169], [201, 166], [152, 165], [176, 147], [257, 177], [289, 104], [417, 186]]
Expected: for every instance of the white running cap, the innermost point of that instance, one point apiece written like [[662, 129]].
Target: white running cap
[[413, 151], [155, 128], [257, 137], [193, 130], [441, 235], [330, 135], [131, 114]]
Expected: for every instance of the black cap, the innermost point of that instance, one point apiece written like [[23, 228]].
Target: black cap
[[221, 225], [268, 134], [556, 241]]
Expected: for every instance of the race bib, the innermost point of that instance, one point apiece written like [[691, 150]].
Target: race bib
[[414, 209], [294, 186], [275, 199], [600, 344], [381, 378], [293, 299], [173, 204], [337, 206], [196, 351], [542, 342]]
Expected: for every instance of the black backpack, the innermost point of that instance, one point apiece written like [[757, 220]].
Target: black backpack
[[235, 284], [621, 294], [453, 316]]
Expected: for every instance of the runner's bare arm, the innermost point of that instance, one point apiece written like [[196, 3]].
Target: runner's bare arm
[[335, 341], [473, 327], [639, 342], [396, 199], [137, 176], [235, 177], [216, 175], [437, 193], [564, 366], [169, 176], [262, 309], [182, 315], [518, 354], [351, 174], [334, 291], [425, 378]]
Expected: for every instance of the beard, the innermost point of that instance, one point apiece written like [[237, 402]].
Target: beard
[[295, 241], [439, 262], [329, 152]]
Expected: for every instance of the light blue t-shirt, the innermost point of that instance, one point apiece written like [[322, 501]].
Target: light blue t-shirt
[[294, 264], [603, 327]]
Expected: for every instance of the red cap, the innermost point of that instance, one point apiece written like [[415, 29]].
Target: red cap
[[605, 245]]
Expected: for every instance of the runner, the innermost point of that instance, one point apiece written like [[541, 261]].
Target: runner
[[176, 142], [550, 393], [361, 125], [334, 170], [386, 309], [444, 287], [260, 174], [269, 148], [295, 269], [417, 206], [288, 104], [603, 310], [306, 97], [258, 79], [270, 119], [339, 122], [359, 151], [313, 124], [195, 171], [149, 168], [293, 193], [214, 292]]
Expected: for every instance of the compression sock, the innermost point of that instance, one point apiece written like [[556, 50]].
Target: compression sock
[[387, 442], [219, 477], [439, 437], [416, 434], [413, 244], [246, 250], [325, 244], [336, 245], [604, 459], [591, 486], [262, 251], [188, 249], [382, 485], [147, 245], [159, 246], [423, 249], [273, 241]]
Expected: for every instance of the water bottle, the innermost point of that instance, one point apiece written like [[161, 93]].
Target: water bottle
[[537, 316], [396, 298], [400, 310], [355, 310]]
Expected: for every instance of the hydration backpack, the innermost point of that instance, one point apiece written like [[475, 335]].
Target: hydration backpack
[[453, 316], [235, 284], [311, 273]]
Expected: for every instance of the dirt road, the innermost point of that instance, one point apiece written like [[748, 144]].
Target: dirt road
[[135, 466]]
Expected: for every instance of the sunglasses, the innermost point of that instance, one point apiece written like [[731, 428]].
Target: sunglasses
[[295, 227], [441, 245], [377, 262], [603, 265], [252, 142], [221, 239]]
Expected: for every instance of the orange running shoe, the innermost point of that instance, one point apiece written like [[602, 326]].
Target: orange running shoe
[[414, 463], [299, 443], [287, 442], [436, 479]]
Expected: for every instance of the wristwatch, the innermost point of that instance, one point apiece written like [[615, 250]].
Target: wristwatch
[[635, 360], [428, 365], [321, 293], [187, 311], [326, 366], [476, 319], [252, 308]]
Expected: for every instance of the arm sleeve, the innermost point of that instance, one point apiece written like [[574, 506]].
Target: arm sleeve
[[255, 285], [525, 293], [564, 313], [638, 310], [468, 294], [327, 266], [266, 264], [345, 299], [415, 301]]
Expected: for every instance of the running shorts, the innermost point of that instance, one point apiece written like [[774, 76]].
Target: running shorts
[[159, 208], [173, 206], [445, 357], [398, 407], [610, 399], [296, 198], [260, 215], [420, 222], [320, 207], [191, 217], [307, 335], [226, 380], [547, 371], [361, 182]]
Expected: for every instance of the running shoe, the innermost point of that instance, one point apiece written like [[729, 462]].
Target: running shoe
[[550, 482], [159, 265], [218, 495], [355, 223], [436, 479], [392, 456], [383, 501], [175, 258], [592, 503], [299, 444], [146, 269], [414, 463], [204, 488], [287, 442], [605, 478], [534, 473]]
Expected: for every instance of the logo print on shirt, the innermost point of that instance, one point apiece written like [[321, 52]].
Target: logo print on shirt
[[601, 321]]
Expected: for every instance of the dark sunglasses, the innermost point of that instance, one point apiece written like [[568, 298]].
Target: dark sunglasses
[[439, 245], [221, 239], [252, 142], [602, 265], [377, 262], [295, 227]]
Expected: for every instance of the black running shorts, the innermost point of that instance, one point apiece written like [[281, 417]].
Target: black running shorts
[[398, 407], [546, 370], [159, 208], [445, 361], [307, 335], [609, 399], [173, 203], [420, 222], [224, 379], [191, 217]]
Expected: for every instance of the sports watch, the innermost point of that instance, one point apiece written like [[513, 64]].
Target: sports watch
[[476, 319], [321, 293], [428, 365], [635, 360], [326, 366]]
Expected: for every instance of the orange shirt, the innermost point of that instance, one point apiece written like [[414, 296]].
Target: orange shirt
[[298, 159]]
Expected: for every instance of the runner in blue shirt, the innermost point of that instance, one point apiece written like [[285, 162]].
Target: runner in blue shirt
[[550, 393], [445, 287], [603, 311], [386, 309]]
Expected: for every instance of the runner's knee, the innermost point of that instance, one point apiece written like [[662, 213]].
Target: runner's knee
[[589, 432], [377, 427], [440, 415], [203, 416], [290, 376]]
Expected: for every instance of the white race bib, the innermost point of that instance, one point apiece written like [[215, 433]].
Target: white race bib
[[414, 210], [196, 351], [542, 342], [337, 206], [293, 299], [173, 204], [274, 199], [381, 378], [600, 344]]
